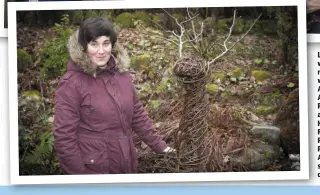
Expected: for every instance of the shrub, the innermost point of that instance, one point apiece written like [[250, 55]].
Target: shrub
[[24, 60], [143, 16], [77, 17], [91, 14], [125, 20], [54, 55]]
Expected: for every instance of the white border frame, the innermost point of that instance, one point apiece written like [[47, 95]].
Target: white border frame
[[166, 177], [3, 31], [313, 38]]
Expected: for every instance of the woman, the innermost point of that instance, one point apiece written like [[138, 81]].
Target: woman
[[97, 108], [313, 16], [313, 5]]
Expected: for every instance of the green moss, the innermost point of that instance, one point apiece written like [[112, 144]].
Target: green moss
[[236, 72], [269, 99], [142, 16], [34, 95], [91, 14], [260, 75], [24, 59], [268, 102], [212, 88], [226, 94], [265, 110], [140, 61], [125, 20], [218, 75], [77, 17]]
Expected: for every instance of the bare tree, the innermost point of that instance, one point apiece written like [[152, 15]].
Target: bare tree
[[193, 37], [182, 37]]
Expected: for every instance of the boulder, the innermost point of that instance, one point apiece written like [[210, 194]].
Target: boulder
[[258, 155], [266, 133]]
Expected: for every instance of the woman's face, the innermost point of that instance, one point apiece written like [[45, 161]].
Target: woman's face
[[99, 51]]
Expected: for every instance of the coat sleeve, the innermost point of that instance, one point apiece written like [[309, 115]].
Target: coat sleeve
[[66, 119], [142, 125]]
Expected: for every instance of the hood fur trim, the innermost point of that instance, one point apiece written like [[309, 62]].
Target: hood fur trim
[[82, 60]]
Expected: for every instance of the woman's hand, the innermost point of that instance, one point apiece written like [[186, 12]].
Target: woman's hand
[[169, 150], [313, 5]]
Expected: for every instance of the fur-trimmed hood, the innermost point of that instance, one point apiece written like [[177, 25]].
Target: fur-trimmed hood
[[82, 60]]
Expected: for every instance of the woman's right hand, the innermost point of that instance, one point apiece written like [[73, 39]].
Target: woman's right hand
[[169, 150]]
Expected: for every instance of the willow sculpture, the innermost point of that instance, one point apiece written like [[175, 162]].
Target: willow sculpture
[[201, 147], [193, 151]]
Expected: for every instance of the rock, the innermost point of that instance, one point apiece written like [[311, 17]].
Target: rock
[[258, 156], [270, 134], [29, 107], [294, 157], [295, 166], [254, 117], [51, 119], [295, 160]]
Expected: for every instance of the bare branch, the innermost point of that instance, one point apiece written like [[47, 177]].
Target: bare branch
[[170, 40], [182, 38], [168, 31], [225, 42], [231, 29], [175, 34], [192, 24], [170, 15], [188, 12], [189, 19], [195, 38]]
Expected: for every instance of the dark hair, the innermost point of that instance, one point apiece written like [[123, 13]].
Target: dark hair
[[93, 28]]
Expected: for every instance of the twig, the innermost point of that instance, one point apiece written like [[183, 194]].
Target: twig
[[225, 42], [183, 30], [170, 40], [42, 97], [192, 24], [234, 151]]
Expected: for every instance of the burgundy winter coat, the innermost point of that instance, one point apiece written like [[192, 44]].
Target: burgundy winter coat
[[95, 115]]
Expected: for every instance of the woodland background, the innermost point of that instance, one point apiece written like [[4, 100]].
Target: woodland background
[[255, 83]]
